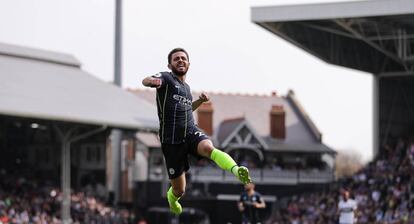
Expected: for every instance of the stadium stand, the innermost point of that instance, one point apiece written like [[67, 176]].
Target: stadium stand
[[383, 190], [25, 198], [366, 36]]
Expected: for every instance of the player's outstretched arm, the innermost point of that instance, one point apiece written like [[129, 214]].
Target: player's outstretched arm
[[152, 82], [201, 99]]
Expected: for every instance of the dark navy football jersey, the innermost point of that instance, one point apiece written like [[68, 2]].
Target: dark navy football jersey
[[250, 213], [174, 104]]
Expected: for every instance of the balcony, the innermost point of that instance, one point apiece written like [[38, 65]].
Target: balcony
[[260, 176]]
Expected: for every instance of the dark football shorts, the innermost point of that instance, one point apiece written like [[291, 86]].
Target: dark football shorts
[[176, 155]]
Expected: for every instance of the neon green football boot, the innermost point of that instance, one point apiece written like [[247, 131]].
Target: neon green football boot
[[243, 175]]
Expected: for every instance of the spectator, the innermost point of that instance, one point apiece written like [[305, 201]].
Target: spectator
[[347, 208], [22, 200], [383, 190]]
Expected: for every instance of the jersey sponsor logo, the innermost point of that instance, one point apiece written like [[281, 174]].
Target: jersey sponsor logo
[[182, 100], [347, 209]]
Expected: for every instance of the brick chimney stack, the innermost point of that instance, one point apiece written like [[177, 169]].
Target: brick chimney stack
[[205, 117], [277, 122]]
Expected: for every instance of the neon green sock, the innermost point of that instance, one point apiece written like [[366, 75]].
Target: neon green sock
[[171, 197], [224, 161], [175, 207]]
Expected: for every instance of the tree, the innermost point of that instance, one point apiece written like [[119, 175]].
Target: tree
[[348, 162]]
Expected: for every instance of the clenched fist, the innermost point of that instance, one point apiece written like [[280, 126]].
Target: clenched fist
[[204, 97], [155, 83]]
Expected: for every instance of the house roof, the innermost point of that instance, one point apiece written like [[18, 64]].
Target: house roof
[[51, 86], [302, 135], [255, 109], [227, 126], [276, 145], [237, 131]]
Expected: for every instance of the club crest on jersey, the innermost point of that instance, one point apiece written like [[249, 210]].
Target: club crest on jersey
[[172, 171], [182, 100]]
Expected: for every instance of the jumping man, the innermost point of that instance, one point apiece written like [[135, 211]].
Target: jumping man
[[179, 135]]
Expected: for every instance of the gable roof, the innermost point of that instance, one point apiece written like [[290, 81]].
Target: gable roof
[[256, 109], [226, 127], [230, 128], [294, 102], [52, 86]]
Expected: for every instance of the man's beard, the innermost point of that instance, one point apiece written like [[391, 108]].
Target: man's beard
[[179, 73]]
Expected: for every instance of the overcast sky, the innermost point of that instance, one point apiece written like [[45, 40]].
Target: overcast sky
[[228, 53]]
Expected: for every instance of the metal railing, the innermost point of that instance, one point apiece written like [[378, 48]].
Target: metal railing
[[262, 176]]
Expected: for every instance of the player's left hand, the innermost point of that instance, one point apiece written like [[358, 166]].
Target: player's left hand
[[204, 97]]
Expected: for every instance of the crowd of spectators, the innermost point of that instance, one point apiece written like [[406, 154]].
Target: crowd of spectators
[[383, 190], [25, 199]]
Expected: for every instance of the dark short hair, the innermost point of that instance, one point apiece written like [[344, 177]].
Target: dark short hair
[[175, 50]]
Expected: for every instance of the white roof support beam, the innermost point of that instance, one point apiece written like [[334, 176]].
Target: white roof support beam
[[347, 26]]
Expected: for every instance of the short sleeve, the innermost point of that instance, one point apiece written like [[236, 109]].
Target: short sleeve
[[241, 199], [259, 197]]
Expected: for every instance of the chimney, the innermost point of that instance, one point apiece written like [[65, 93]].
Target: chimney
[[205, 118], [277, 122]]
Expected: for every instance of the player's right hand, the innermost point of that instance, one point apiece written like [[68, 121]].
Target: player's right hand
[[155, 83]]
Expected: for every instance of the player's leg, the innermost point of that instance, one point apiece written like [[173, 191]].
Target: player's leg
[[223, 160], [177, 164], [175, 192]]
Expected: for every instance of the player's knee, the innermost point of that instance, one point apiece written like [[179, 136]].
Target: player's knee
[[179, 192], [206, 148]]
